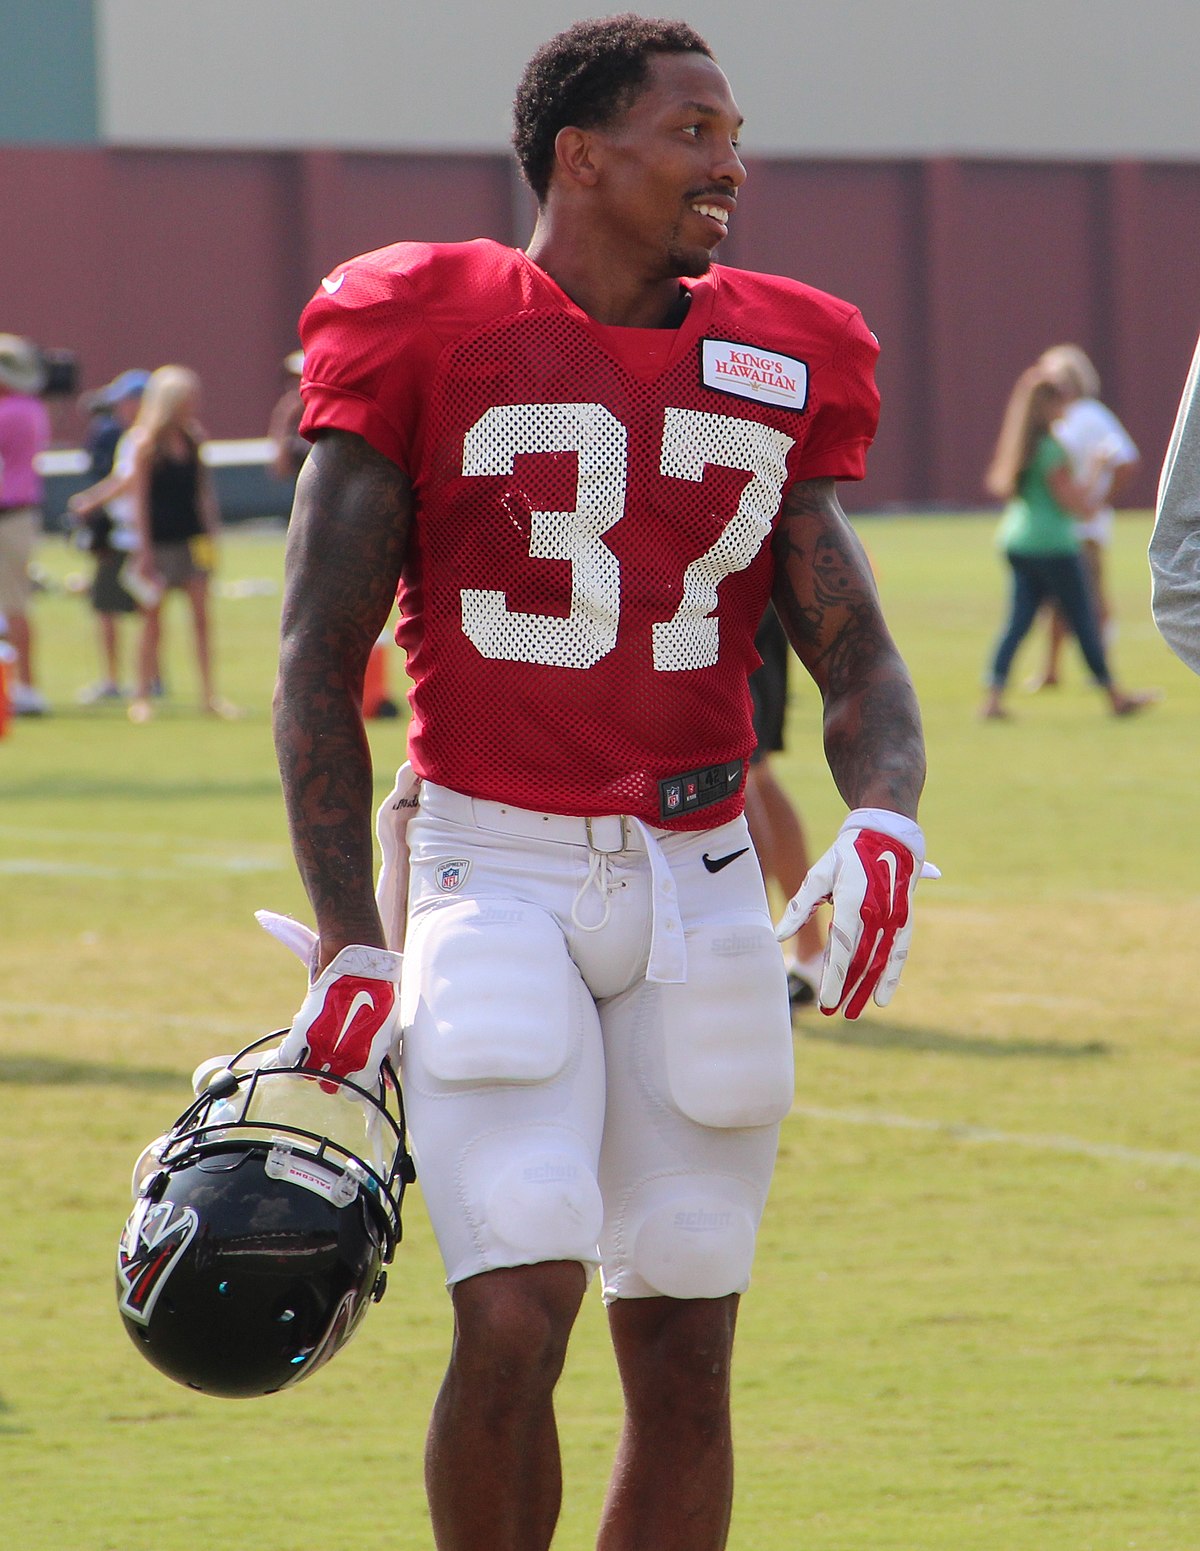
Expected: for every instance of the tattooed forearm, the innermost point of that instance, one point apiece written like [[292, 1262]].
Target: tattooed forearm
[[875, 747], [346, 544], [826, 597]]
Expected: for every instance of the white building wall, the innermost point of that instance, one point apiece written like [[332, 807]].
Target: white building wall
[[1086, 79]]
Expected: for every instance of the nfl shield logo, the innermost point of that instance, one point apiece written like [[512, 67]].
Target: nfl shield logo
[[452, 874]]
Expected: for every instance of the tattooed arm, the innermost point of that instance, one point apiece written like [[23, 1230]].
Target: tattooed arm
[[825, 595], [346, 544]]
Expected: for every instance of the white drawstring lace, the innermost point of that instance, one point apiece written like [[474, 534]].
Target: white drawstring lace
[[667, 956], [598, 877]]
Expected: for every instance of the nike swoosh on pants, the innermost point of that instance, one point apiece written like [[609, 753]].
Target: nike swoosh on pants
[[715, 863]]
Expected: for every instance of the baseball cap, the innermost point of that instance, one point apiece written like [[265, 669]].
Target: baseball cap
[[124, 386]]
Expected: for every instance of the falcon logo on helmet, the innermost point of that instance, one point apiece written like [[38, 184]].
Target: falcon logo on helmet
[[154, 1238]]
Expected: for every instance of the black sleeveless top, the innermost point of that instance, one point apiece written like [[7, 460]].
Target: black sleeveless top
[[174, 497]]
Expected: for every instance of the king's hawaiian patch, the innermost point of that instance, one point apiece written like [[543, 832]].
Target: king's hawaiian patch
[[762, 376]]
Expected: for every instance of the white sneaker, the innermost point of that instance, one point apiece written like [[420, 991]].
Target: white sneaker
[[27, 701], [95, 693]]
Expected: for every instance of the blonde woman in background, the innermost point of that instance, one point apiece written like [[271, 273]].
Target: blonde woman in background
[[177, 523], [1031, 471], [1102, 451]]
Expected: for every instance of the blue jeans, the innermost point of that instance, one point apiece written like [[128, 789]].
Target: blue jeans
[[1061, 578]]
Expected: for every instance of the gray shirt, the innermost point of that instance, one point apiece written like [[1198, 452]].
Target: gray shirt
[[1175, 542]]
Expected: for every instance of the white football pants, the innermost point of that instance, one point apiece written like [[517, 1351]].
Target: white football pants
[[597, 1044]]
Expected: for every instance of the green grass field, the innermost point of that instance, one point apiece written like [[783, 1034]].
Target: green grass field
[[976, 1307]]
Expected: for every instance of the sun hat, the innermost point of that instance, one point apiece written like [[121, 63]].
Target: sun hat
[[21, 369]]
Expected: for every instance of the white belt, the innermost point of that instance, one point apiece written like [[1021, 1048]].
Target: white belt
[[604, 836]]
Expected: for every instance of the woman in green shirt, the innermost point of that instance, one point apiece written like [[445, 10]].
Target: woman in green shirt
[[1032, 473]]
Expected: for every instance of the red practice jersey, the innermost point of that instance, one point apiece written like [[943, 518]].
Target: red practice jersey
[[593, 508]]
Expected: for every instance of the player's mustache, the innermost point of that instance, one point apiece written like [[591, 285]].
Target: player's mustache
[[713, 189]]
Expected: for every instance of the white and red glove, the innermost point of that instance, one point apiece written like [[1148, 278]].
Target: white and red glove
[[349, 1021], [869, 876]]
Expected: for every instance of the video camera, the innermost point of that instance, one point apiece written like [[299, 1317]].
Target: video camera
[[61, 368]]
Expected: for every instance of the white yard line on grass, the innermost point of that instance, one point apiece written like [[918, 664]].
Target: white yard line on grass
[[30, 835], [959, 1131], [1048, 1003], [11, 1011], [184, 866]]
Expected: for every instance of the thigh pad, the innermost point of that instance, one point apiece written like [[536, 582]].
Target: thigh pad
[[485, 994], [727, 1037]]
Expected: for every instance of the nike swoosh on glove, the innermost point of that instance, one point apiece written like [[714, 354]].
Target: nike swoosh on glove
[[869, 875], [348, 1022]]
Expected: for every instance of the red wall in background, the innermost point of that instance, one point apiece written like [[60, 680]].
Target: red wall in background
[[965, 269]]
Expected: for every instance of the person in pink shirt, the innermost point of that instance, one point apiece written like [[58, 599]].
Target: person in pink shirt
[[24, 432]]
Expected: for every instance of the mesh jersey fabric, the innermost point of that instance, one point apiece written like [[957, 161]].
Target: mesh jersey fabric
[[589, 558]]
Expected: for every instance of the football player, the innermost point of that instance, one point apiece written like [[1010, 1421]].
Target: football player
[[583, 469]]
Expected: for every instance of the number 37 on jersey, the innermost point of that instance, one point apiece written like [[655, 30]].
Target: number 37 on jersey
[[692, 440]]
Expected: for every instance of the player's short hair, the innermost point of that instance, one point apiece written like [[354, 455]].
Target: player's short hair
[[587, 76]]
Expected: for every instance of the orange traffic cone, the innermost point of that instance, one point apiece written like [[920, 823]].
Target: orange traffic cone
[[7, 654], [377, 699]]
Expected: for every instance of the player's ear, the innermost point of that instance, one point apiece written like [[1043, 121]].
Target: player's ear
[[575, 152]]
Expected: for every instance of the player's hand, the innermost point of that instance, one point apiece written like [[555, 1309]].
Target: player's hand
[[869, 876], [348, 1022]]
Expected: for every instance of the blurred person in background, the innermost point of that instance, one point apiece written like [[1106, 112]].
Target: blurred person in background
[[1031, 471], [290, 448], [775, 826], [24, 433], [176, 524], [1103, 455], [1175, 542], [107, 526]]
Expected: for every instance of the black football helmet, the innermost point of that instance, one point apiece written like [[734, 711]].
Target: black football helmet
[[262, 1224]]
